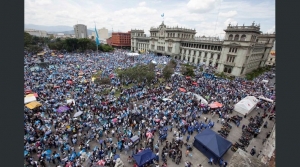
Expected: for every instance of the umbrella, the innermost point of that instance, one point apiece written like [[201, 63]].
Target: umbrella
[[78, 113], [62, 109], [33, 105], [116, 156], [182, 90], [149, 134], [195, 83], [61, 56], [69, 82], [101, 162], [167, 87], [114, 120], [188, 77]]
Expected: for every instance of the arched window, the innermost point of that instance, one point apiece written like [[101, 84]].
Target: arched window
[[230, 37], [236, 37], [229, 70], [243, 37], [225, 69]]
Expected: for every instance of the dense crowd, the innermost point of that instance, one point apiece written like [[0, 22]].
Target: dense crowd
[[75, 113]]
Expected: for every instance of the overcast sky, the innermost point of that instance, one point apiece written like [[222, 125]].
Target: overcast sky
[[208, 17]]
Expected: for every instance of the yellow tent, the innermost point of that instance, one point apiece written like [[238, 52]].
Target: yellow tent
[[33, 105]]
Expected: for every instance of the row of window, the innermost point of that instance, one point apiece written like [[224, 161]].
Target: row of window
[[205, 54], [227, 69], [230, 58], [161, 48], [201, 46], [236, 37], [232, 50], [175, 35]]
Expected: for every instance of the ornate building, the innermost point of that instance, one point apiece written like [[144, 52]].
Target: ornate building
[[243, 49]]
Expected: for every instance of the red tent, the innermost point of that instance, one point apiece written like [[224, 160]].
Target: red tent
[[182, 90]]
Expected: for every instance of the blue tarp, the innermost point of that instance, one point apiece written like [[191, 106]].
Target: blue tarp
[[211, 144], [144, 157]]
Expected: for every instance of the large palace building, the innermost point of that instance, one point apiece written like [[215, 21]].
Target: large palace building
[[243, 49]]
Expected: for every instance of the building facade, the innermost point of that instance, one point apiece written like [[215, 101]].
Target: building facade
[[103, 33], [80, 31], [272, 57], [37, 33], [120, 39], [244, 48]]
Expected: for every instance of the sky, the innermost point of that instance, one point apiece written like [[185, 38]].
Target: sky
[[207, 17]]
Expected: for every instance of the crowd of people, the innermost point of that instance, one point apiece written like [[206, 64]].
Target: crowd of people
[[74, 112]]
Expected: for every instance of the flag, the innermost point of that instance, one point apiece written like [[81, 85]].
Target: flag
[[163, 15], [97, 37]]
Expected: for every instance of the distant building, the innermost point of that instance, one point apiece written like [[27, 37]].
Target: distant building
[[80, 31], [37, 33], [120, 39], [109, 41], [103, 33]]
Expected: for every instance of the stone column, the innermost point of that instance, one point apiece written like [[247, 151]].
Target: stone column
[[197, 57], [191, 56], [207, 58], [202, 57], [186, 55], [214, 59], [182, 54]]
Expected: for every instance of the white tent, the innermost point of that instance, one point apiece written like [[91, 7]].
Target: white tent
[[265, 81], [246, 105], [198, 97], [266, 99], [29, 99], [154, 62]]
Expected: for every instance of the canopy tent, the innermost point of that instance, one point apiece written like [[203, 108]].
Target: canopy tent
[[29, 99], [215, 105], [144, 157], [265, 81], [266, 99], [33, 105], [246, 105], [132, 54], [211, 144]]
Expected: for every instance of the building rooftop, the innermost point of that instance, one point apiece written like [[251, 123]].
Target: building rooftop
[[242, 159]]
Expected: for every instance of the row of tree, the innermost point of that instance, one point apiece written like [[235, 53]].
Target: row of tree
[[77, 45], [34, 44]]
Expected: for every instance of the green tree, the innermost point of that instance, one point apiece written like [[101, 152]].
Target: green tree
[[167, 72], [102, 81], [27, 39]]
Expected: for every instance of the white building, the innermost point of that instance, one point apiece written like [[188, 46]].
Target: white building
[[103, 33], [37, 33], [243, 49], [80, 31]]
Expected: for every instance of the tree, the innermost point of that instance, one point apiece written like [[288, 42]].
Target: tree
[[27, 39], [139, 73], [167, 72], [151, 66], [187, 70], [34, 49], [102, 81], [172, 63]]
